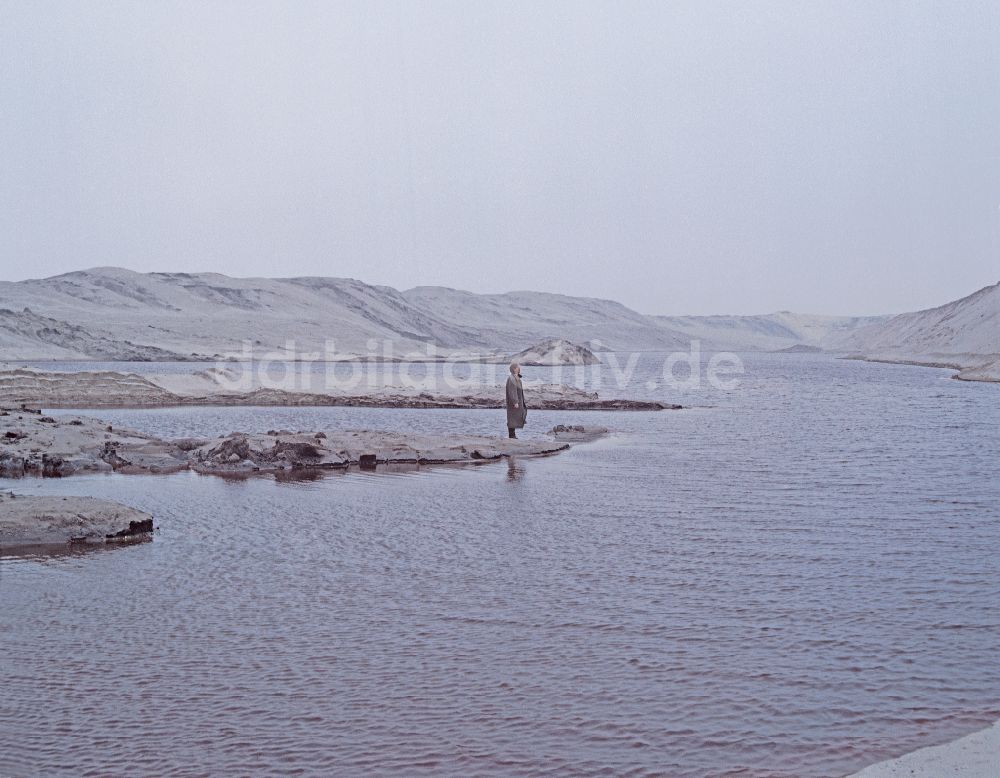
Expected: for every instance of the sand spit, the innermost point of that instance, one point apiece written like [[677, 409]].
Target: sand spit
[[110, 389], [969, 367], [974, 756], [989, 372], [34, 444], [30, 521]]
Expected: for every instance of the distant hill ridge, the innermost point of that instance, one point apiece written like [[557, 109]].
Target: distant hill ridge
[[113, 313]]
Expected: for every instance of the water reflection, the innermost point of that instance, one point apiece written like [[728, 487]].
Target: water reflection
[[514, 471]]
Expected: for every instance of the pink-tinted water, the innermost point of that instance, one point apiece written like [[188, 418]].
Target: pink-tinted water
[[796, 581]]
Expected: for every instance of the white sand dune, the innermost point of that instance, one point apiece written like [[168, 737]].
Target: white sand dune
[[110, 313], [206, 314], [115, 314]]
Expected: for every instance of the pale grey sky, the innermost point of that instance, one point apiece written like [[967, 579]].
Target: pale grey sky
[[681, 157]]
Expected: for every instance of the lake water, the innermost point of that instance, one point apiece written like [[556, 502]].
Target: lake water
[[796, 578]]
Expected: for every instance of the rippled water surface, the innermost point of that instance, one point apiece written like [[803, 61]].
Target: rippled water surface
[[794, 579]]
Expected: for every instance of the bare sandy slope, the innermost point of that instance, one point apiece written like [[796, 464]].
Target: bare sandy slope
[[964, 335], [27, 335], [208, 314], [113, 314], [768, 332], [58, 521], [974, 756]]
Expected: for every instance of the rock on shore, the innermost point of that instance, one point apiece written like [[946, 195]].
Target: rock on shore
[[284, 450], [58, 521], [35, 444], [576, 433]]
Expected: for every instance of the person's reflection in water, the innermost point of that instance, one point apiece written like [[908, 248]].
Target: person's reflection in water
[[514, 472]]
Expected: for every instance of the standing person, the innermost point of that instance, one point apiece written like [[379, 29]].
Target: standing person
[[517, 413]]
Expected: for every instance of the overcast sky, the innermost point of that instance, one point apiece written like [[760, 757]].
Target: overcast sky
[[681, 157]]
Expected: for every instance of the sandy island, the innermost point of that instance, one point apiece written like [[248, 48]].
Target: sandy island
[[33, 444], [31, 521], [970, 367]]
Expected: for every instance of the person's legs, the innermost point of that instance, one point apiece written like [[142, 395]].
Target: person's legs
[[511, 433]]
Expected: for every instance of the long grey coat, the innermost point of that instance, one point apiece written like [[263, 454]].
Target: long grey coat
[[515, 394]]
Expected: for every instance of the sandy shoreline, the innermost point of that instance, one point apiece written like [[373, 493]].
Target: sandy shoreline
[[977, 370], [228, 387], [988, 373], [973, 756]]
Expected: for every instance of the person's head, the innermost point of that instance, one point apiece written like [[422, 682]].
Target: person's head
[[515, 369]]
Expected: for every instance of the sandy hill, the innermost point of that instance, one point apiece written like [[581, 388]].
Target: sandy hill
[[503, 320], [110, 313], [207, 314], [964, 333], [24, 335], [970, 326], [556, 352]]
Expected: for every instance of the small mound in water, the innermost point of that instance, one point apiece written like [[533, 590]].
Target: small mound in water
[[555, 352], [29, 521]]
